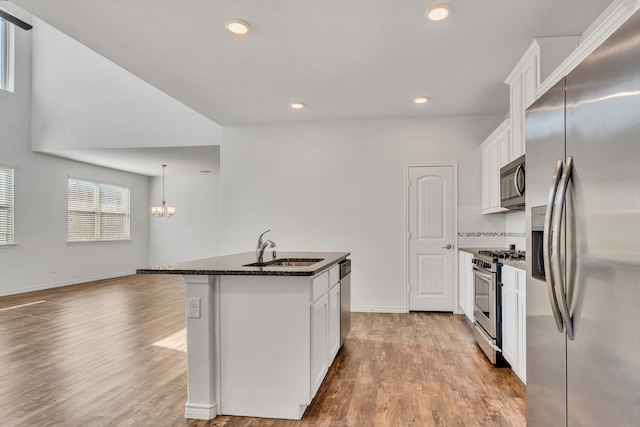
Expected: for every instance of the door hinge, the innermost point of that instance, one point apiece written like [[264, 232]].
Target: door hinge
[[408, 235], [409, 183], [409, 289]]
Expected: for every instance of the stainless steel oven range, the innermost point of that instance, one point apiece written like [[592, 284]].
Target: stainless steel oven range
[[487, 308]]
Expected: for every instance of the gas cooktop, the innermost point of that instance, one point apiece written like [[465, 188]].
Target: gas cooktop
[[504, 254]]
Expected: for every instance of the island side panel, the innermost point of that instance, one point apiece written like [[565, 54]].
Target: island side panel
[[264, 346], [202, 349]]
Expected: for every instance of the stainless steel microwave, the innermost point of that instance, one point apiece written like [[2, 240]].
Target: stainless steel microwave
[[512, 185]]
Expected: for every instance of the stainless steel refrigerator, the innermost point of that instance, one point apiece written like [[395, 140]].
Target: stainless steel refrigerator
[[583, 242]]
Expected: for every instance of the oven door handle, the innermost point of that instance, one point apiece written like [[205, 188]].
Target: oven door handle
[[547, 248], [558, 209], [480, 273]]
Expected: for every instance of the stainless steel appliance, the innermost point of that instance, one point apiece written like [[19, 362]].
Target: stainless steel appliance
[[487, 330], [345, 299], [583, 155], [512, 185], [487, 300]]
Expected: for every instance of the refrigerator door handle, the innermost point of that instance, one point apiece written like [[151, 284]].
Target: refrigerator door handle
[[558, 208], [547, 249]]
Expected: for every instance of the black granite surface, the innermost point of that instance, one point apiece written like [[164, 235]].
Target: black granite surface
[[521, 264], [234, 265]]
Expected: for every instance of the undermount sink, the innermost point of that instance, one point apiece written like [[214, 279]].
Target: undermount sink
[[286, 262]]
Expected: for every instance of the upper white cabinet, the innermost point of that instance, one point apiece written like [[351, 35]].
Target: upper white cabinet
[[599, 30], [540, 60], [493, 149]]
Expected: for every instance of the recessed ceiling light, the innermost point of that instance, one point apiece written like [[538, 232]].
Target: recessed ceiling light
[[421, 100], [297, 105], [438, 12], [238, 26]]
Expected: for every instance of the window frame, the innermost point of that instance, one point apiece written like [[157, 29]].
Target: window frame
[[98, 212], [7, 55], [11, 207]]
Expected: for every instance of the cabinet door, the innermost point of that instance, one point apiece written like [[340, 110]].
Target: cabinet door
[[470, 290], [462, 282], [517, 118], [510, 326], [334, 322], [530, 80], [486, 179], [494, 183], [522, 325], [319, 342], [504, 147]]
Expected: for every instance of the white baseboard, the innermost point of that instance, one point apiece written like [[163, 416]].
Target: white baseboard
[[378, 309], [200, 412], [65, 283]]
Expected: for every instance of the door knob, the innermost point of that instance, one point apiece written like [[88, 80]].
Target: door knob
[[447, 247]]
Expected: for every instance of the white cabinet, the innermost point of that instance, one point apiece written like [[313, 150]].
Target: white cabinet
[[319, 342], [465, 284], [514, 318], [334, 321], [540, 59], [325, 324], [493, 148]]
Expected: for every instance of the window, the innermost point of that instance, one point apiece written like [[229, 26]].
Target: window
[[4, 54], [6, 205], [97, 211]]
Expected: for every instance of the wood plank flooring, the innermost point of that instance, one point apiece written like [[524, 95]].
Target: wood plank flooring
[[111, 353]]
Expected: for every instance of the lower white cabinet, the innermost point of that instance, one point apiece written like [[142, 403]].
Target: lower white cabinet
[[319, 342], [325, 330], [334, 321], [514, 320], [465, 284]]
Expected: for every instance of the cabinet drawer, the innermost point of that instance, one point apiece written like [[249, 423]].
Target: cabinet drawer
[[334, 275], [319, 285]]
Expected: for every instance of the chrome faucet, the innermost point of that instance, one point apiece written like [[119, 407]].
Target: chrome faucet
[[261, 246]]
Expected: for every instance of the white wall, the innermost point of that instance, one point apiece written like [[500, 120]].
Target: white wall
[[515, 230], [340, 186], [194, 231], [81, 100], [41, 204]]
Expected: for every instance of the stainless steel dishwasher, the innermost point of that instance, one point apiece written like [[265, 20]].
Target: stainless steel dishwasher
[[345, 299]]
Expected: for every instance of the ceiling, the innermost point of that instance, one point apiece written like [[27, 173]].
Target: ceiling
[[345, 59], [148, 161]]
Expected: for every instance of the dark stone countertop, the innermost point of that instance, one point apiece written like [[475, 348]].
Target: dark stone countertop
[[513, 263], [233, 265]]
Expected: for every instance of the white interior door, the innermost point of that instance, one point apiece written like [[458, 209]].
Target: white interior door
[[431, 239]]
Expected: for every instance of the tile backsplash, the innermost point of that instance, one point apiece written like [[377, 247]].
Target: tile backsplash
[[497, 230]]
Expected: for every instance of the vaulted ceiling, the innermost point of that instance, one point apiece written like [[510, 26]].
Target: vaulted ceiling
[[345, 59]]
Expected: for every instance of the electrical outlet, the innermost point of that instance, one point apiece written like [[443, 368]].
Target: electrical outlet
[[53, 268], [193, 307]]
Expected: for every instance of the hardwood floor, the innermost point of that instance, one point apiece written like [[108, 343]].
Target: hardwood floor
[[111, 353]]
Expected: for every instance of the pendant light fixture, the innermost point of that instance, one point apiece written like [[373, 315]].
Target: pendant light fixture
[[164, 210]]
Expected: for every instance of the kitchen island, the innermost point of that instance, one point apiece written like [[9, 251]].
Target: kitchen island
[[260, 339]]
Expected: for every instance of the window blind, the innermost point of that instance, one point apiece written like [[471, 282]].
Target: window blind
[[6, 205], [97, 211]]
